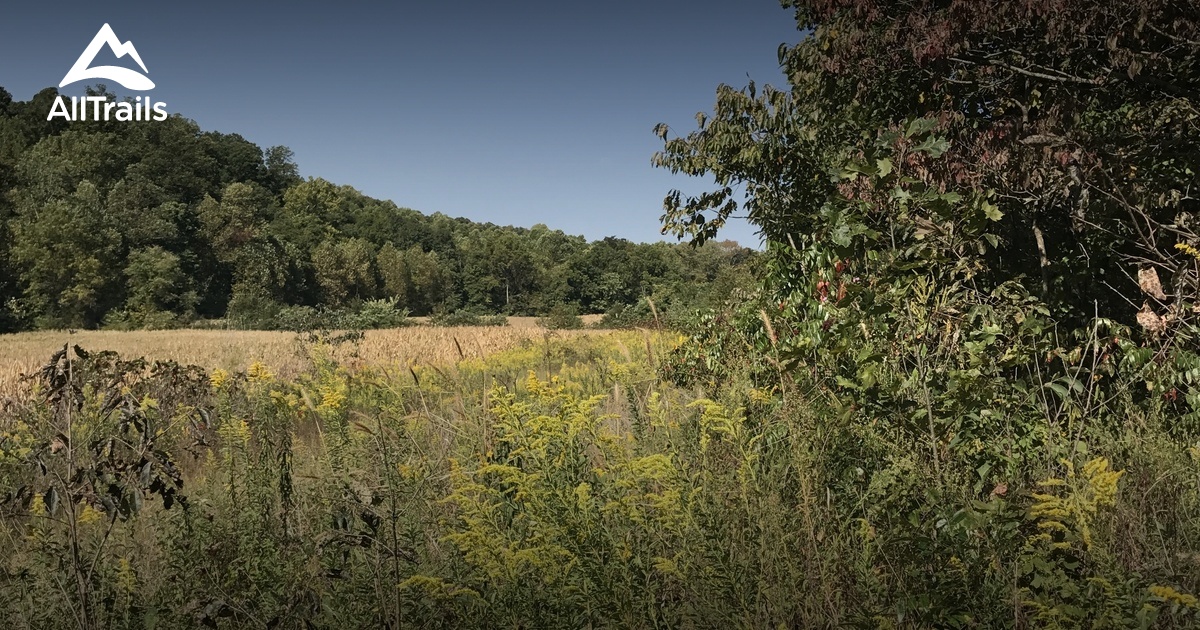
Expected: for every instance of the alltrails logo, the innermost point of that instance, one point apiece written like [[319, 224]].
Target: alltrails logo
[[98, 106]]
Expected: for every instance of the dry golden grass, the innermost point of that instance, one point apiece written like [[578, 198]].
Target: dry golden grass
[[526, 322], [281, 351]]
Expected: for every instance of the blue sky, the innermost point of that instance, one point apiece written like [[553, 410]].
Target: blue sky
[[509, 112]]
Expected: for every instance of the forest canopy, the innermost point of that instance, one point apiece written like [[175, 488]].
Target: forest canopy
[[157, 224]]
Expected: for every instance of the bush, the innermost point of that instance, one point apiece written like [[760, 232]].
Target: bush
[[210, 324], [463, 317], [493, 320], [562, 317], [370, 315], [251, 311], [628, 316], [117, 320], [121, 319], [374, 314], [300, 318], [159, 320]]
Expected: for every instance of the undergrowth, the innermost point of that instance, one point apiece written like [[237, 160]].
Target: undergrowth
[[568, 483]]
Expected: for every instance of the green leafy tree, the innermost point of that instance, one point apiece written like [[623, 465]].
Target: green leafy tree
[[1081, 120], [145, 216], [13, 142], [235, 159], [307, 214], [66, 250], [432, 282], [281, 170], [499, 270], [345, 271], [395, 275], [239, 218], [249, 236], [173, 154], [157, 282]]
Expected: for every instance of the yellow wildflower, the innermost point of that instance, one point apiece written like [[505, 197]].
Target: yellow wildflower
[[583, 495], [406, 471], [259, 373], [235, 432], [1170, 595], [126, 578], [89, 515], [666, 566], [332, 399], [759, 396], [218, 378]]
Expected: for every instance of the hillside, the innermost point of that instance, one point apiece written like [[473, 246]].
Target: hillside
[[156, 224]]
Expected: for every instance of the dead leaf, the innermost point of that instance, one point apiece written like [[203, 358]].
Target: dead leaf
[[1148, 280], [1150, 320], [1000, 490]]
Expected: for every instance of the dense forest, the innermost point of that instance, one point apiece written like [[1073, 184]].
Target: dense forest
[[159, 224]]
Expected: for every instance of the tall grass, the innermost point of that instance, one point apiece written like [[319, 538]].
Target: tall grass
[[235, 350], [559, 482]]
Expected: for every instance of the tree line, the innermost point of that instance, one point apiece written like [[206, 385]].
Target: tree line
[[157, 225]]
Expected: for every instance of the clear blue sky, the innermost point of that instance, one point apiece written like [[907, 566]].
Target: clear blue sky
[[510, 112]]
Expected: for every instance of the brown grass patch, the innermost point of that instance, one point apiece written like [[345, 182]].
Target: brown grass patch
[[281, 351]]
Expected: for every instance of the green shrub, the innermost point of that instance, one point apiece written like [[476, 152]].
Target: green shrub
[[251, 311], [121, 319], [300, 319], [209, 324], [562, 317], [622, 316], [492, 320], [463, 317], [374, 314]]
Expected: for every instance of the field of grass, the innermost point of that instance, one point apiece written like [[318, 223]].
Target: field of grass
[[517, 477], [236, 350]]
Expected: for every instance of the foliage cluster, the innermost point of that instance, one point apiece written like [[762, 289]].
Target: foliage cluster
[[981, 259], [463, 317]]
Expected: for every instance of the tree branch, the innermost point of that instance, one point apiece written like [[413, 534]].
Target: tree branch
[[1060, 78]]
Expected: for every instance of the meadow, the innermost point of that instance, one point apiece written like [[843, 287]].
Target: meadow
[[541, 479], [23, 353]]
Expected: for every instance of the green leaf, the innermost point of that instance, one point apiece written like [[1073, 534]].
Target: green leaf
[[920, 126], [1058, 389], [52, 501], [934, 146]]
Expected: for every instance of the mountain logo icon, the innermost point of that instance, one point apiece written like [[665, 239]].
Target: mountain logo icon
[[130, 79]]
